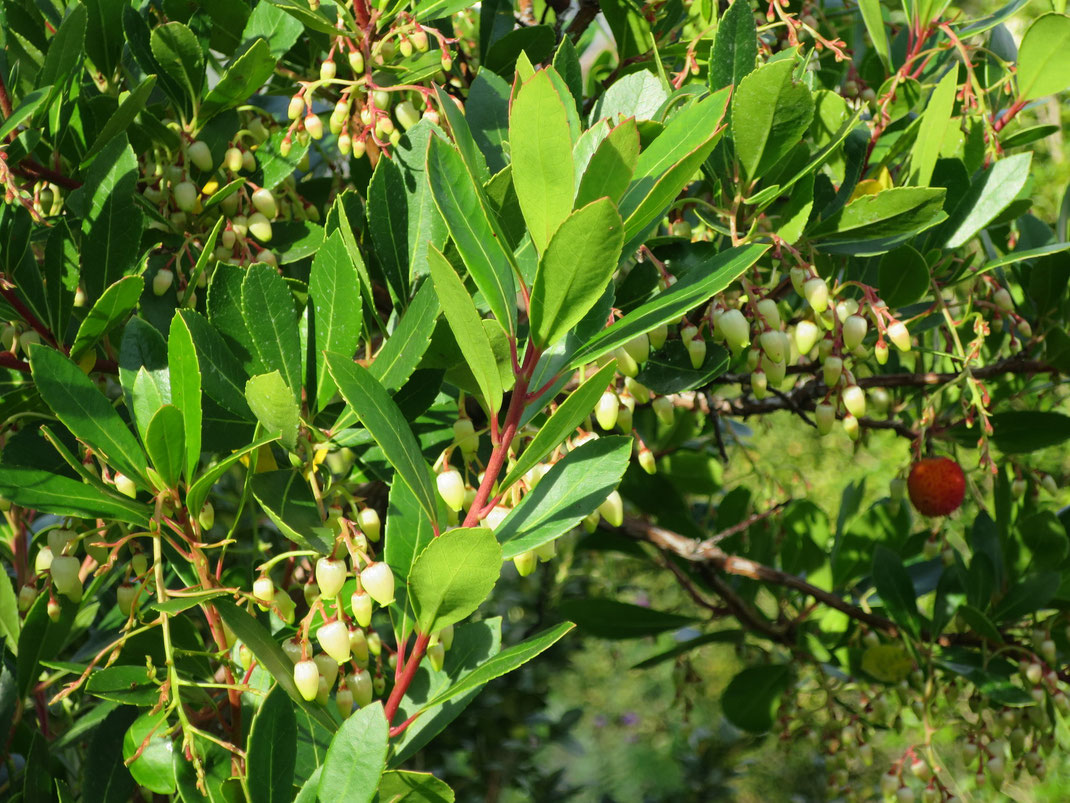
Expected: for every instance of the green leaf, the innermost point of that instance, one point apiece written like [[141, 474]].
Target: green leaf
[[467, 326], [356, 758], [166, 443], [274, 406], [873, 224], [770, 113], [272, 751], [222, 376], [286, 498], [122, 117], [153, 768], [504, 662], [895, 589], [398, 358], [541, 147], [610, 619], [268, 309], [384, 421], [452, 577], [669, 370], [335, 304], [669, 163], [934, 124], [200, 489], [878, 36], [1026, 136], [246, 74], [176, 605], [1044, 57], [10, 623], [639, 94], [273, 25], [611, 167], [697, 287], [735, 46], [425, 225], [178, 53], [1032, 593], [107, 312], [903, 276], [112, 225], [26, 109], [1020, 431], [403, 786], [65, 50], [574, 270], [479, 240], [471, 156], [107, 780], [571, 490], [322, 19], [129, 685], [408, 532], [40, 640], [270, 656], [43, 490], [562, 422], [749, 701], [388, 223], [991, 191], [184, 370], [86, 412]]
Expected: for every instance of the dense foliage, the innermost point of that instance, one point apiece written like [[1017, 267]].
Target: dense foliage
[[320, 314]]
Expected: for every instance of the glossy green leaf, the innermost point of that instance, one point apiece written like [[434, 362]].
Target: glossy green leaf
[[176, 605], [286, 498], [562, 422], [274, 406], [770, 113], [268, 309], [750, 699], [464, 140], [878, 36], [272, 751], [40, 640], [903, 276], [86, 412], [388, 223], [991, 191], [670, 162], [26, 109], [335, 303], [669, 370], [873, 224], [895, 589], [245, 74], [504, 662], [384, 421], [356, 758], [111, 227], [541, 148], [481, 244], [184, 369], [934, 124], [735, 46], [403, 786], [401, 353], [1032, 593], [107, 780], [270, 656], [65, 50], [43, 490], [639, 94], [467, 326], [1044, 57], [610, 168], [107, 312], [571, 490], [122, 117], [452, 577], [696, 287], [153, 768], [10, 621], [129, 685], [1020, 431], [574, 270], [408, 532], [611, 619], [166, 443], [177, 51]]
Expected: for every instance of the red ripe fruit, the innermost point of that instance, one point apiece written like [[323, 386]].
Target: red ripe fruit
[[936, 485]]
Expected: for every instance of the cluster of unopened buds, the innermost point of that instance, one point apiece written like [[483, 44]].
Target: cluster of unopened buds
[[366, 117], [192, 188]]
